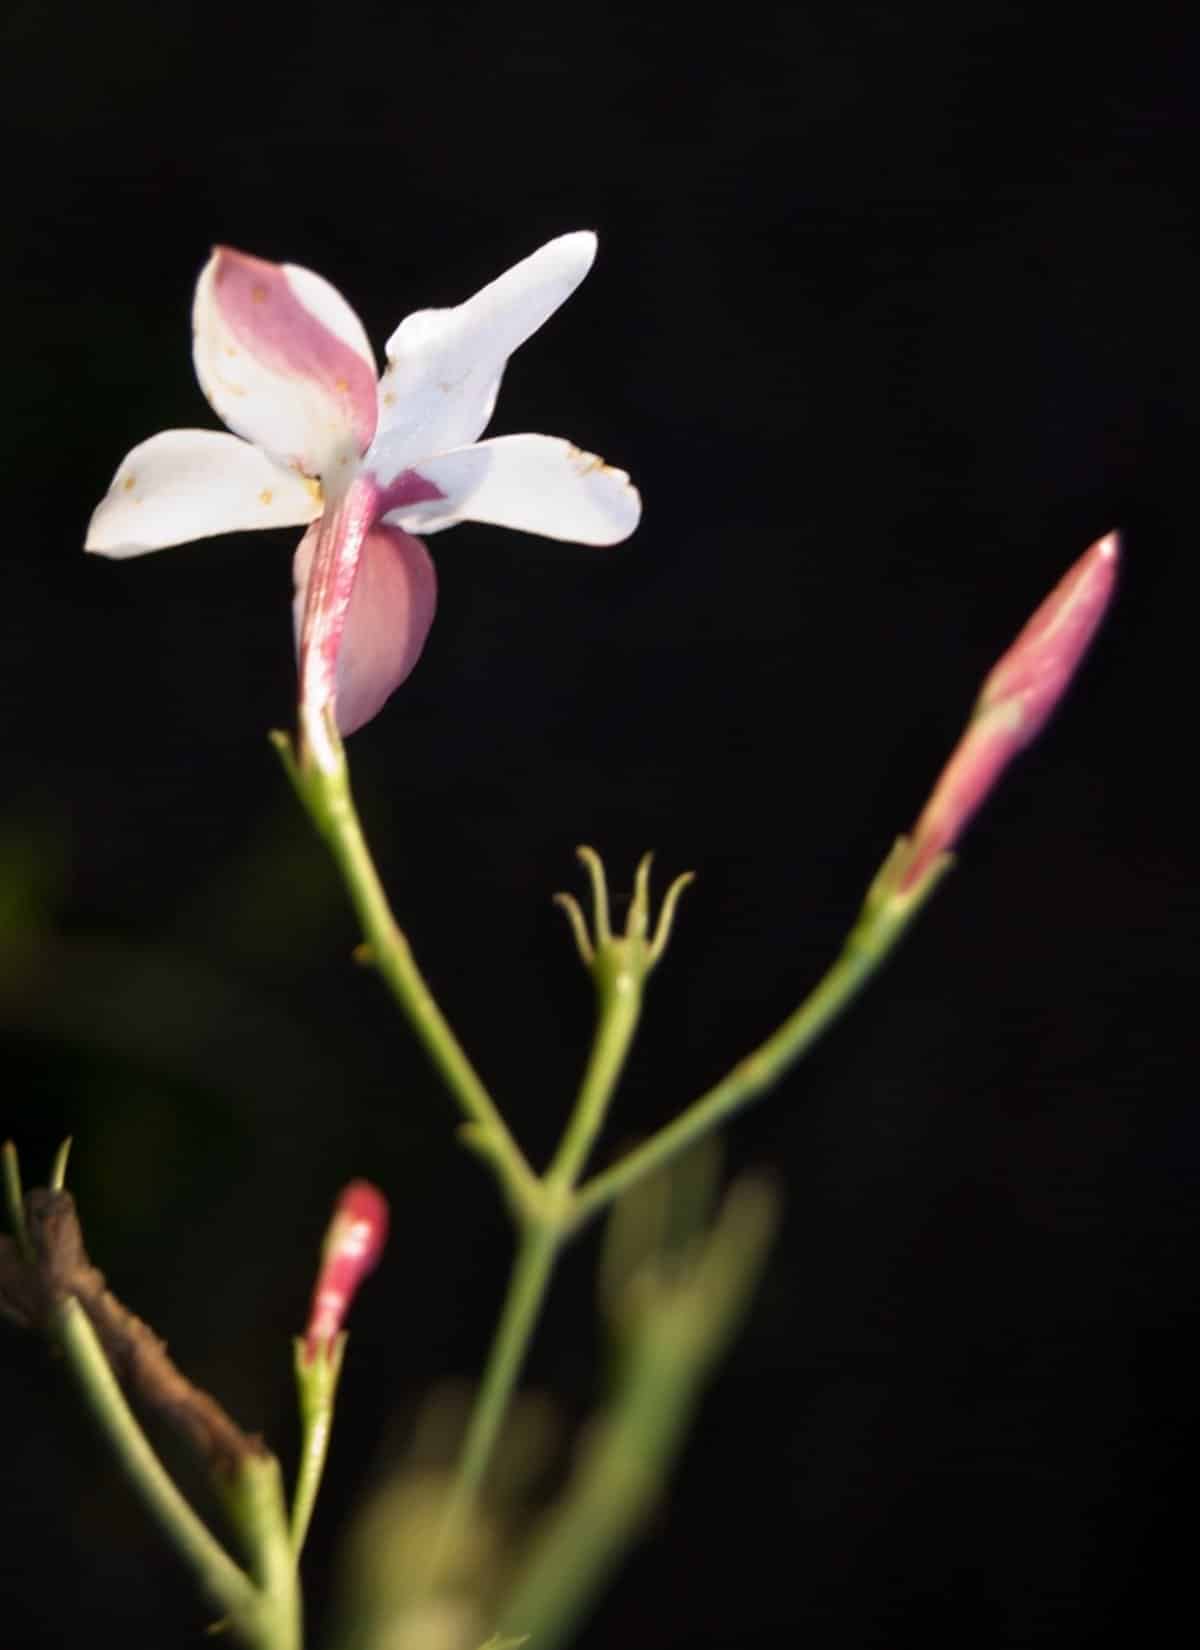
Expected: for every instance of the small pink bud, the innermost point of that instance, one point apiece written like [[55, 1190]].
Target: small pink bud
[[352, 1247], [1018, 696]]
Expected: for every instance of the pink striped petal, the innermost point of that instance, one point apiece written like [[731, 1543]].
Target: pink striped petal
[[535, 483], [444, 365], [284, 361], [391, 608]]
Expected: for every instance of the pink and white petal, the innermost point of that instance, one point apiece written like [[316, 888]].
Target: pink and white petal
[[189, 484], [535, 483], [284, 361], [391, 609], [444, 365]]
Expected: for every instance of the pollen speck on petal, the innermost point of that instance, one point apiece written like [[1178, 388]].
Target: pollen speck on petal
[[585, 463], [188, 484]]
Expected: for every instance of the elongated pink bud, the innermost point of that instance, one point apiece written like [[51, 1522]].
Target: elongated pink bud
[[1018, 696], [353, 1245]]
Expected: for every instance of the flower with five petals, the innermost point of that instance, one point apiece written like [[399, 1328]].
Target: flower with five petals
[[365, 464]]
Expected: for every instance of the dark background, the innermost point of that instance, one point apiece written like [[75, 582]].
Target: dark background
[[893, 315]]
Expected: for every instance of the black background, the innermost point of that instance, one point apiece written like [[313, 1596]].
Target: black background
[[893, 315]]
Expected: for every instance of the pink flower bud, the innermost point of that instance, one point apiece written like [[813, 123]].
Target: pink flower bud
[[353, 1245], [1018, 696]]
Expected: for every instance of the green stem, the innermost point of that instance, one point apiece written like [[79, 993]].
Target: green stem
[[615, 1489], [330, 804], [225, 1582], [536, 1255], [671, 1335], [872, 939], [308, 1479], [316, 1386], [619, 988], [14, 1199], [620, 1003], [255, 1500]]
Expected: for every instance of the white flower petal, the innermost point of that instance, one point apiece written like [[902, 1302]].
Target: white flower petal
[[444, 365], [536, 483], [284, 361], [189, 484], [391, 609]]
